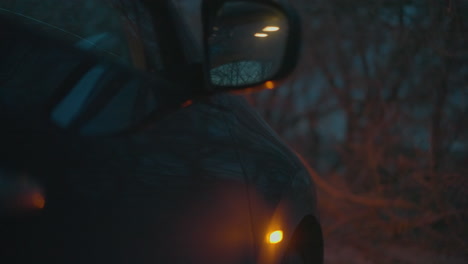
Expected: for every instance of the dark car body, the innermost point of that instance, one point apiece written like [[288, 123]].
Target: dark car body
[[204, 183]]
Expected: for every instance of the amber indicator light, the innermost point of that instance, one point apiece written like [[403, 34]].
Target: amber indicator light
[[275, 237]]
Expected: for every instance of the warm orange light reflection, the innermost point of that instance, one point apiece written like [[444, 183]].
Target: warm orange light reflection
[[37, 200], [275, 237], [261, 35], [269, 84], [270, 29], [187, 103]]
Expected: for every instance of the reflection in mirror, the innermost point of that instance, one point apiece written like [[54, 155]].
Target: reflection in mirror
[[241, 73], [247, 43]]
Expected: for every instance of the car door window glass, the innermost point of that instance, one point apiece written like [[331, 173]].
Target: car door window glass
[[96, 25]]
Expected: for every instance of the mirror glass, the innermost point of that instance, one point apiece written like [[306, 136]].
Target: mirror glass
[[247, 42]]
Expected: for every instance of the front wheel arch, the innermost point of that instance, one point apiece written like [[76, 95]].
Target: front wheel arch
[[307, 240]]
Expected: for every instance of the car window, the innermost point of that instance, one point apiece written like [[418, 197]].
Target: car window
[[96, 25]]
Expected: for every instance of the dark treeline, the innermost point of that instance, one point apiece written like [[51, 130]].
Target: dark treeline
[[378, 109]]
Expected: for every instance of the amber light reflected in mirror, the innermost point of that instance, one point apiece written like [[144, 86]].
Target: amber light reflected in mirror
[[247, 43]]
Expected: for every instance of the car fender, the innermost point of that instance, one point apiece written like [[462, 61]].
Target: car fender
[[297, 202]]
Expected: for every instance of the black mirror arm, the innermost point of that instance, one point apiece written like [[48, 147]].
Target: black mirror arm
[[177, 64], [166, 32]]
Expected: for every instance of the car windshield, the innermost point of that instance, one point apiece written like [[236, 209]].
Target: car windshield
[[96, 25]]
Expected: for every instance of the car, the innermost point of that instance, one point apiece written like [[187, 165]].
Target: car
[[124, 142]]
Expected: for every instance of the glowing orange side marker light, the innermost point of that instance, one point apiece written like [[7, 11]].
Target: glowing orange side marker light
[[275, 237], [269, 85]]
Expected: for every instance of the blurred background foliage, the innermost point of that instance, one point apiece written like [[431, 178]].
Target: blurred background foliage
[[378, 109]]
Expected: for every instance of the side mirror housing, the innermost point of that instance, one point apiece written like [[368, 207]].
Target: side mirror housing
[[248, 44]]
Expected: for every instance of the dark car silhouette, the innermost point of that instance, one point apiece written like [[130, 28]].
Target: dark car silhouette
[[108, 157]]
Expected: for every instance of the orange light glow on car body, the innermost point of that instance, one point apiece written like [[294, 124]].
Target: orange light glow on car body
[[187, 103], [269, 85], [37, 200]]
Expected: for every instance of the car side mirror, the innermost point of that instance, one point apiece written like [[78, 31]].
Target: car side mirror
[[248, 43]]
